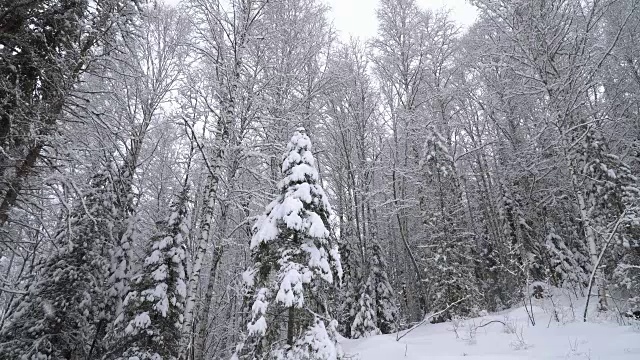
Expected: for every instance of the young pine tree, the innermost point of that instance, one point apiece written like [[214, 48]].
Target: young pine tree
[[294, 263], [154, 308]]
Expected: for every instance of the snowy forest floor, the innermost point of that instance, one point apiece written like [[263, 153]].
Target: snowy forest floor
[[510, 335]]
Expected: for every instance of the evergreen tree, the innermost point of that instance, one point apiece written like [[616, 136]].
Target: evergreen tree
[[507, 267], [567, 264], [627, 272], [294, 263], [350, 289], [317, 343], [383, 295], [365, 322], [450, 254], [154, 308], [374, 310], [611, 193], [627, 278], [46, 46], [67, 307]]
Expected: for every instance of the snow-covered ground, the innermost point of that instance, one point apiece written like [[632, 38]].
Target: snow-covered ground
[[568, 338]]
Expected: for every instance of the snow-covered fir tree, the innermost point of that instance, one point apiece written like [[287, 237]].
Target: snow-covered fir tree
[[369, 298], [384, 299], [613, 194], [350, 289], [120, 251], [67, 306], [627, 279], [568, 265], [294, 264], [316, 343], [375, 310], [449, 255], [365, 324], [502, 270], [627, 271], [154, 308], [612, 188]]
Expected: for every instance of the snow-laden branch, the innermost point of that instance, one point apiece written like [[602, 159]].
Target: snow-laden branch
[[13, 291]]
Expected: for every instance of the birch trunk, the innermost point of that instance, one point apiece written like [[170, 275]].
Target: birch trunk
[[194, 277], [590, 238]]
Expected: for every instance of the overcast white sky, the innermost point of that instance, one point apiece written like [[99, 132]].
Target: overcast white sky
[[358, 17]]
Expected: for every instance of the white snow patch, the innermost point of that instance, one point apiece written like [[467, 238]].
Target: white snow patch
[[318, 260], [160, 273], [248, 277], [293, 276], [258, 309], [549, 339], [317, 341], [141, 321], [316, 226], [181, 288]]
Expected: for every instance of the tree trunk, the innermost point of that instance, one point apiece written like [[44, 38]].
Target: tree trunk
[[194, 277], [203, 319], [15, 186], [291, 326]]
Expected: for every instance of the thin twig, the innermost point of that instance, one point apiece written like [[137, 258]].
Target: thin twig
[[430, 317], [200, 146], [491, 322]]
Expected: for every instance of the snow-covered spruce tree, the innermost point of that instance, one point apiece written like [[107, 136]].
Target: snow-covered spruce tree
[[384, 299], [317, 342], [364, 323], [67, 305], [374, 310], [352, 282], [627, 278], [294, 263], [612, 194], [627, 272], [449, 250], [154, 308], [567, 265], [503, 258]]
